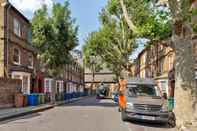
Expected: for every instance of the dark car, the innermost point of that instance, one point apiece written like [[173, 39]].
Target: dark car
[[101, 91], [143, 103]]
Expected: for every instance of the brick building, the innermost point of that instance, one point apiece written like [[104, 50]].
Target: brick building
[[19, 60], [8, 89], [74, 77], [105, 76], [17, 56], [70, 80], [155, 61]]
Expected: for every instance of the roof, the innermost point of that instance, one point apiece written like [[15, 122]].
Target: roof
[[103, 71], [19, 13], [106, 78], [141, 81]]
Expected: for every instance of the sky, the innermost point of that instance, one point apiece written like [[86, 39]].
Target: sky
[[84, 11]]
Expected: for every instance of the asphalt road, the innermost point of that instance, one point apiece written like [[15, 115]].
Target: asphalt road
[[87, 114]]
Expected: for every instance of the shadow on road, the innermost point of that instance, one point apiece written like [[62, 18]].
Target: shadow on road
[[149, 125], [21, 118], [92, 101]]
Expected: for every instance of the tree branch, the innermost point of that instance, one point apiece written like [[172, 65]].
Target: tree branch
[[127, 18], [174, 7], [168, 43]]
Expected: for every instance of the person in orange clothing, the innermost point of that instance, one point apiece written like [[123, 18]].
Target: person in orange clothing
[[122, 88]]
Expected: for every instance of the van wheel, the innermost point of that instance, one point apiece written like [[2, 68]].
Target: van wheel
[[171, 120], [124, 115]]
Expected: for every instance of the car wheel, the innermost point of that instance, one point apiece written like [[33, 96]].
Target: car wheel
[[124, 115], [171, 120]]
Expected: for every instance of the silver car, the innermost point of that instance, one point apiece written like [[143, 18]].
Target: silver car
[[143, 103]]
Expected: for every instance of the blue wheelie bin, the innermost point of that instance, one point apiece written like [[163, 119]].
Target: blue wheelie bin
[[33, 99]]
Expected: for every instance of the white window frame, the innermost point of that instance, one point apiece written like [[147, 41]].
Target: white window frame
[[17, 27], [163, 84], [170, 58], [19, 56], [21, 74], [161, 65], [32, 61], [61, 85], [49, 90]]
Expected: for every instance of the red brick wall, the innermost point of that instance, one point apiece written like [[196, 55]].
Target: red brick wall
[[8, 88]]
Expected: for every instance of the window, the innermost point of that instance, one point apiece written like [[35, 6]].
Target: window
[[25, 84], [25, 77], [30, 61], [47, 85], [162, 66], [59, 86], [29, 36], [164, 85], [17, 27], [140, 90], [16, 56], [18, 77], [170, 61]]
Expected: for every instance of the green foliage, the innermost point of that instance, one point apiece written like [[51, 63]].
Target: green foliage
[[152, 22], [54, 35], [113, 43]]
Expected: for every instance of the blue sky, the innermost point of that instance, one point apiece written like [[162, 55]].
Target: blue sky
[[85, 11]]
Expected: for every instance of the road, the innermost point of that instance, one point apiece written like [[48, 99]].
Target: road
[[87, 114]]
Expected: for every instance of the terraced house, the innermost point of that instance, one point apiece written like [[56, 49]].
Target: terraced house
[[17, 56], [155, 62]]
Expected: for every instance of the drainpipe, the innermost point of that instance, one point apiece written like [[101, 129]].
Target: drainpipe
[[7, 37]]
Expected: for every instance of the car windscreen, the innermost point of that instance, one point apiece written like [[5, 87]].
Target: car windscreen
[[140, 90]]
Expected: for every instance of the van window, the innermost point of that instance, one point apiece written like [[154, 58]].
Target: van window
[[141, 90]]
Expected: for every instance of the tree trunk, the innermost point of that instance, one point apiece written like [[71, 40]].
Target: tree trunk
[[185, 87]]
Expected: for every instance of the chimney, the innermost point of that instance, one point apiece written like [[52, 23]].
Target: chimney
[[4, 2]]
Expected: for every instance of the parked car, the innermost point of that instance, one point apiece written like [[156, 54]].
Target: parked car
[[144, 104], [102, 91]]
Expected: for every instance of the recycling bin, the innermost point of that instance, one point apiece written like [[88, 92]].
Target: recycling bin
[[19, 100], [25, 100], [170, 103], [41, 98], [33, 99], [65, 96], [69, 96]]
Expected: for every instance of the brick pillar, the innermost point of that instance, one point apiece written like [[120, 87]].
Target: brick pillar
[[2, 37]]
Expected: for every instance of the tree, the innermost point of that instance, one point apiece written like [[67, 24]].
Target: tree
[[54, 35], [183, 45], [113, 43]]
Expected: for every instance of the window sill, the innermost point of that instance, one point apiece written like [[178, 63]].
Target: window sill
[[16, 63], [30, 67]]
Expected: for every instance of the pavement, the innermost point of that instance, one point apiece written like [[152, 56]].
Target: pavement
[[10, 113], [87, 114]]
